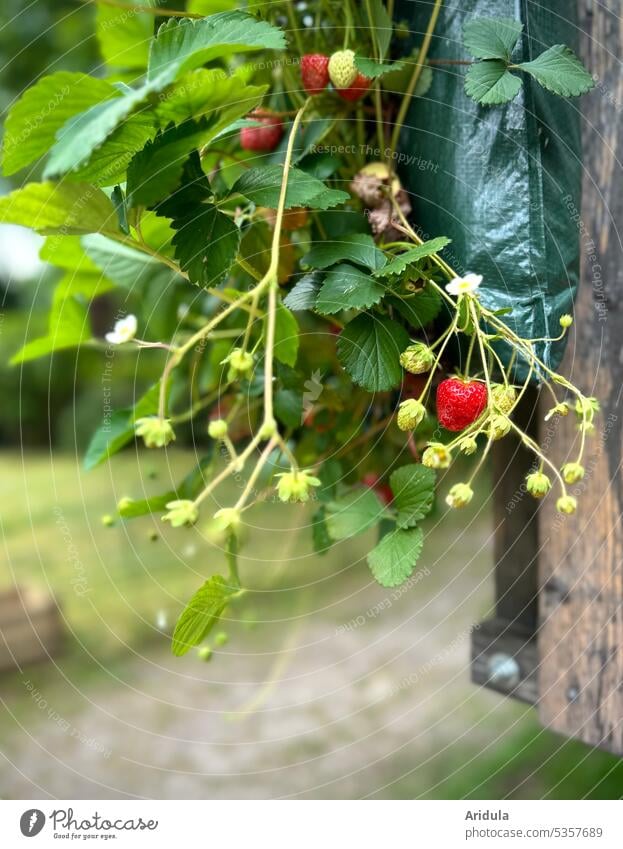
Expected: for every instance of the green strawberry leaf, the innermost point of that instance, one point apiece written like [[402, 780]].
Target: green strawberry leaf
[[262, 187], [400, 263], [348, 287], [420, 308], [359, 248], [286, 336], [560, 71], [393, 560], [302, 296], [492, 38], [413, 487], [353, 513], [65, 208], [124, 36], [372, 69], [369, 348], [490, 83]]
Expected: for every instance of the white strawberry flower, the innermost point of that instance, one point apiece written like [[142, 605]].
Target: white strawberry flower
[[464, 285], [124, 331]]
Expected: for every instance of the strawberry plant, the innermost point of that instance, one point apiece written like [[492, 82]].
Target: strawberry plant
[[219, 180]]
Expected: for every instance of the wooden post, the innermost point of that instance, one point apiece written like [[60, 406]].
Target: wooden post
[[581, 563]]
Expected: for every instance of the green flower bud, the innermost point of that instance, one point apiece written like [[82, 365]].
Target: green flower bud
[[468, 445], [586, 408], [218, 429], [410, 413], [565, 321], [108, 521], [239, 361], [182, 512], [204, 653], [572, 472], [561, 409], [436, 456], [417, 358], [460, 495], [499, 427], [538, 484], [566, 504], [220, 639], [156, 432], [503, 397], [295, 485], [227, 519]]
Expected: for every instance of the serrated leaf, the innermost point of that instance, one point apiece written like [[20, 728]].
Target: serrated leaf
[[68, 326], [206, 240], [156, 171], [321, 539], [359, 248], [302, 296], [66, 208], [372, 69], [414, 492], [393, 560], [208, 91], [201, 614], [382, 26], [124, 35], [67, 252], [400, 263], [348, 287], [560, 71], [117, 430], [286, 336], [184, 43], [492, 38], [262, 187], [490, 83], [420, 308], [369, 348], [353, 513], [33, 120]]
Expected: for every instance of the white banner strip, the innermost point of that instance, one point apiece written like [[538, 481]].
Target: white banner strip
[[312, 824]]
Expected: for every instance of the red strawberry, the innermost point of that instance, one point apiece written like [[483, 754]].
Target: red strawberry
[[265, 136], [356, 89], [315, 72], [460, 402], [383, 490]]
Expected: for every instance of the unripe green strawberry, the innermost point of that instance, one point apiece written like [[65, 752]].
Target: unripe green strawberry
[[342, 68]]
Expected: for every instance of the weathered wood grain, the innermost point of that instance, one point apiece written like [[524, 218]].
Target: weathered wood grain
[[581, 565]]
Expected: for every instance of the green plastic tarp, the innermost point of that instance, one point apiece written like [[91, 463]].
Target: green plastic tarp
[[503, 181]]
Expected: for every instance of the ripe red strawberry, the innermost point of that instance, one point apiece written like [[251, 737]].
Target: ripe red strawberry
[[356, 89], [383, 490], [263, 137], [314, 72], [460, 402]]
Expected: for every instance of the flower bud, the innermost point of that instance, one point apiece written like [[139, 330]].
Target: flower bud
[[227, 518], [410, 413], [295, 485], [566, 504], [587, 407], [156, 432], [204, 653], [436, 456], [499, 427], [503, 397], [182, 512], [572, 472], [561, 409], [565, 321], [538, 484], [217, 429], [108, 521], [268, 430], [417, 358], [239, 361], [460, 495], [468, 445]]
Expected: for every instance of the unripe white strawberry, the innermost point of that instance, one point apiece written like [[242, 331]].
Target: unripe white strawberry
[[342, 68]]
